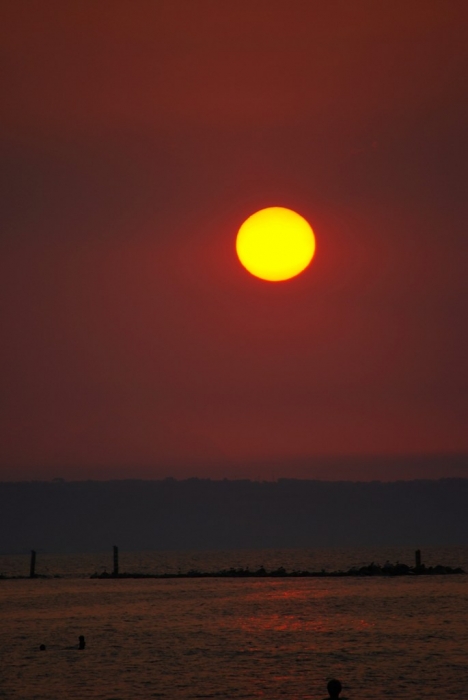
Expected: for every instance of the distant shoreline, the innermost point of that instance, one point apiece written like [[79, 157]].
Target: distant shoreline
[[373, 570]]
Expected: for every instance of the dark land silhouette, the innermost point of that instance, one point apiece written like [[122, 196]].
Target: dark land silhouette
[[202, 514], [372, 569], [368, 570]]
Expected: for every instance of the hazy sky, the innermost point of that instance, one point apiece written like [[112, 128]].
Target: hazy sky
[[135, 139]]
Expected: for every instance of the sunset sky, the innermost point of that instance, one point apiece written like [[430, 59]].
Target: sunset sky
[[136, 137]]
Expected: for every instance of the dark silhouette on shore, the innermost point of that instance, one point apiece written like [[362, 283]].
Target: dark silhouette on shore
[[42, 647], [116, 561], [81, 642], [32, 565]]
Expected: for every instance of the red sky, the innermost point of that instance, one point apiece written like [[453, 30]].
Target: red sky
[[135, 138]]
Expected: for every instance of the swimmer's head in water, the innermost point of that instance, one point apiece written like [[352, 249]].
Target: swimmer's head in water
[[334, 688]]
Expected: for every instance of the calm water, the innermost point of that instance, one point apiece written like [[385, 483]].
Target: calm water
[[394, 638]]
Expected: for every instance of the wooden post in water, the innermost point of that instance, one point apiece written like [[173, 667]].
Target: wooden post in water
[[32, 567], [417, 558], [116, 561]]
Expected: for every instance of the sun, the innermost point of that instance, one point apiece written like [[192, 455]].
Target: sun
[[275, 244]]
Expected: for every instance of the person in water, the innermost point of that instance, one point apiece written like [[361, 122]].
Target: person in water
[[334, 689], [81, 641]]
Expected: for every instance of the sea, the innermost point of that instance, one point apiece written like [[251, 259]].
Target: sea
[[270, 638]]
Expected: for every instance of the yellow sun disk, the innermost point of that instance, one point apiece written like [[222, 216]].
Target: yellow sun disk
[[275, 244]]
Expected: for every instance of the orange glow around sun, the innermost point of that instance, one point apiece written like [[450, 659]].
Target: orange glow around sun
[[275, 244]]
